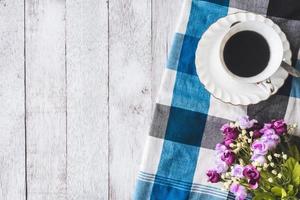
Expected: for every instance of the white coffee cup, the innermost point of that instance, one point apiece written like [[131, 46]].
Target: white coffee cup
[[276, 52]]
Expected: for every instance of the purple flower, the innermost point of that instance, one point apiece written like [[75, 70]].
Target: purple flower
[[270, 139], [251, 172], [257, 134], [267, 127], [221, 166], [279, 126], [213, 176], [255, 128], [228, 157], [225, 126], [259, 147], [227, 142], [232, 135], [239, 191], [269, 136], [245, 123], [252, 175], [220, 148], [259, 158], [267, 131], [237, 171], [229, 132]]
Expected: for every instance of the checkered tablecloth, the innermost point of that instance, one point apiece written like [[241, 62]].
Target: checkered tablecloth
[[186, 122]]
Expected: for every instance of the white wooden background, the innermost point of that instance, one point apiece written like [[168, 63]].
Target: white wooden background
[[78, 79]]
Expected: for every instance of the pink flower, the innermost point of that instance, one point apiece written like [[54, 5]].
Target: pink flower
[[279, 126], [227, 142], [220, 148], [228, 157], [232, 135], [239, 191], [252, 175], [221, 166], [269, 136], [225, 126], [229, 132], [259, 147], [267, 127], [245, 123], [259, 158], [213, 176], [237, 171], [270, 139], [256, 134]]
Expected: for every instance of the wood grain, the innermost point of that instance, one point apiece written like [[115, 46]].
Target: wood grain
[[46, 99], [129, 91], [87, 99], [78, 91], [165, 15], [12, 126]]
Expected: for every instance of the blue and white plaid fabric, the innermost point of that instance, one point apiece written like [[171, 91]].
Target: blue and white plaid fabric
[[186, 122]]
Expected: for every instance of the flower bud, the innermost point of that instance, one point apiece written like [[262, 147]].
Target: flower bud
[[276, 155], [227, 174], [258, 169], [236, 150], [269, 157], [232, 145], [251, 133], [241, 162], [279, 175], [270, 180]]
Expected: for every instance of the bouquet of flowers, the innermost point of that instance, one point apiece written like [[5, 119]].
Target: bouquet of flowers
[[256, 159]]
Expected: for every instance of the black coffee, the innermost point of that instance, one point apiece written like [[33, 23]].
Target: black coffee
[[246, 53]]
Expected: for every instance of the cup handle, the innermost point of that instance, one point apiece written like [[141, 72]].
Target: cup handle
[[267, 86], [291, 70]]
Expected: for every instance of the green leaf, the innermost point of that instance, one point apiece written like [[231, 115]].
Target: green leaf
[[262, 196], [290, 190], [283, 193], [296, 174], [278, 191], [286, 176], [294, 152], [290, 164]]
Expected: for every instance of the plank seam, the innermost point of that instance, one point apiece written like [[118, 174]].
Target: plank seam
[[151, 49], [25, 100], [108, 104], [66, 99]]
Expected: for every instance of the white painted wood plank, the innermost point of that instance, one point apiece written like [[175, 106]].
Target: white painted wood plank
[[87, 99], [46, 99], [165, 16], [12, 126], [129, 91]]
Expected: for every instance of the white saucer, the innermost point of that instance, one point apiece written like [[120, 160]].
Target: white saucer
[[217, 81]]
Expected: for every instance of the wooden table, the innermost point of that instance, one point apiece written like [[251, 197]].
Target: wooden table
[[78, 79]]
